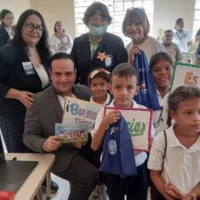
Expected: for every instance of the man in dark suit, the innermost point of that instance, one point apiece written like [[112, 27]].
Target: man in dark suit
[[97, 48], [40, 127]]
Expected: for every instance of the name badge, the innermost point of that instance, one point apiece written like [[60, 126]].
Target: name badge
[[28, 68], [108, 60]]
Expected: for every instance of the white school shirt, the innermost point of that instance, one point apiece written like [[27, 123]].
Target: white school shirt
[[43, 75], [160, 117], [62, 100], [150, 46], [181, 39], [108, 97], [140, 158], [181, 165], [10, 32]]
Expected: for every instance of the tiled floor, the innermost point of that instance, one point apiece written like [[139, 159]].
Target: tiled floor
[[63, 192]]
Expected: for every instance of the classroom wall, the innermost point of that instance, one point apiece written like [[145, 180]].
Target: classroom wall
[[55, 10], [16, 6], [165, 12]]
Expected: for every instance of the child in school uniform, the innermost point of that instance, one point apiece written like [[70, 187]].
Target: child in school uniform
[[174, 160], [161, 65], [99, 84], [123, 88]]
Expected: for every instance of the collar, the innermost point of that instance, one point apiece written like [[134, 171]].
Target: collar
[[91, 42], [174, 142], [8, 30], [105, 103], [135, 105]]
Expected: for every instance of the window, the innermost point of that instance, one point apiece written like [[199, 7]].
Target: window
[[196, 23], [117, 9]]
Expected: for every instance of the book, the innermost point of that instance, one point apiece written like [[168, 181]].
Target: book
[[73, 133], [7, 195]]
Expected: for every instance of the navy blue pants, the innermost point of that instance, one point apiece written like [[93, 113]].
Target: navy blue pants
[[134, 187]]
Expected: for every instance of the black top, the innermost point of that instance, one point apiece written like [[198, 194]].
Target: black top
[[4, 37], [111, 45], [12, 75]]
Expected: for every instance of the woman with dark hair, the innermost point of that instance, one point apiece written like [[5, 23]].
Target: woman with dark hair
[[23, 72], [181, 37], [60, 41], [136, 26], [97, 48], [6, 31]]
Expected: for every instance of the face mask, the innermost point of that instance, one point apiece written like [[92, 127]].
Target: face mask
[[97, 30]]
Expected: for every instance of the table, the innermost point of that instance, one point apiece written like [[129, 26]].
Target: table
[[32, 185]]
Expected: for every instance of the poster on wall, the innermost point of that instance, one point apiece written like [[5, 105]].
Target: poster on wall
[[139, 123]]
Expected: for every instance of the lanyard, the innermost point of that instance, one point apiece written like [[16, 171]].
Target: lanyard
[[180, 36]]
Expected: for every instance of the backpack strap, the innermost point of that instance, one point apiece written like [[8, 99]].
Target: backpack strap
[[165, 150]]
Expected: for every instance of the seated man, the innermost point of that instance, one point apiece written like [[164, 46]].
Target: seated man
[[40, 128], [171, 48]]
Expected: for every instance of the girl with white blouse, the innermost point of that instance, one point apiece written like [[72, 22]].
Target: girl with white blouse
[[60, 41]]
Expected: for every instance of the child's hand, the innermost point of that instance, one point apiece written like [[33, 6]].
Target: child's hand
[[174, 192], [111, 117]]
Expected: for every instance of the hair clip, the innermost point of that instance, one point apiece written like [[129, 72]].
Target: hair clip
[[95, 72]]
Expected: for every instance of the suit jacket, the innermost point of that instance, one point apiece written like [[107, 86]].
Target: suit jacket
[[4, 37], [110, 44], [40, 123], [12, 75]]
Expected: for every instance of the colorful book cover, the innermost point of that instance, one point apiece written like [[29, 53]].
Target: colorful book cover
[[74, 133]]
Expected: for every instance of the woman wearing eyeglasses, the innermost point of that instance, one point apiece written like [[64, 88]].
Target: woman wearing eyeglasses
[[23, 72], [97, 48]]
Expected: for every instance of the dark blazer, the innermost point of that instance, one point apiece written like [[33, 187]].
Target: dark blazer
[[40, 123], [110, 44], [4, 37], [12, 75]]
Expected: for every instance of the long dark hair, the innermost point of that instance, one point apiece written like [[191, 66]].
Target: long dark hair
[[42, 46]]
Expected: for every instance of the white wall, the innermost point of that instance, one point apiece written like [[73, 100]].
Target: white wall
[[16, 6], [167, 11], [55, 10]]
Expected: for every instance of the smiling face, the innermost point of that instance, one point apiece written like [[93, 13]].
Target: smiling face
[[63, 76], [135, 31], [162, 72], [31, 38], [99, 87]]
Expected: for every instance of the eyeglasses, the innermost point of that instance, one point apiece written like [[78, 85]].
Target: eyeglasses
[[97, 19], [30, 27], [95, 72]]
